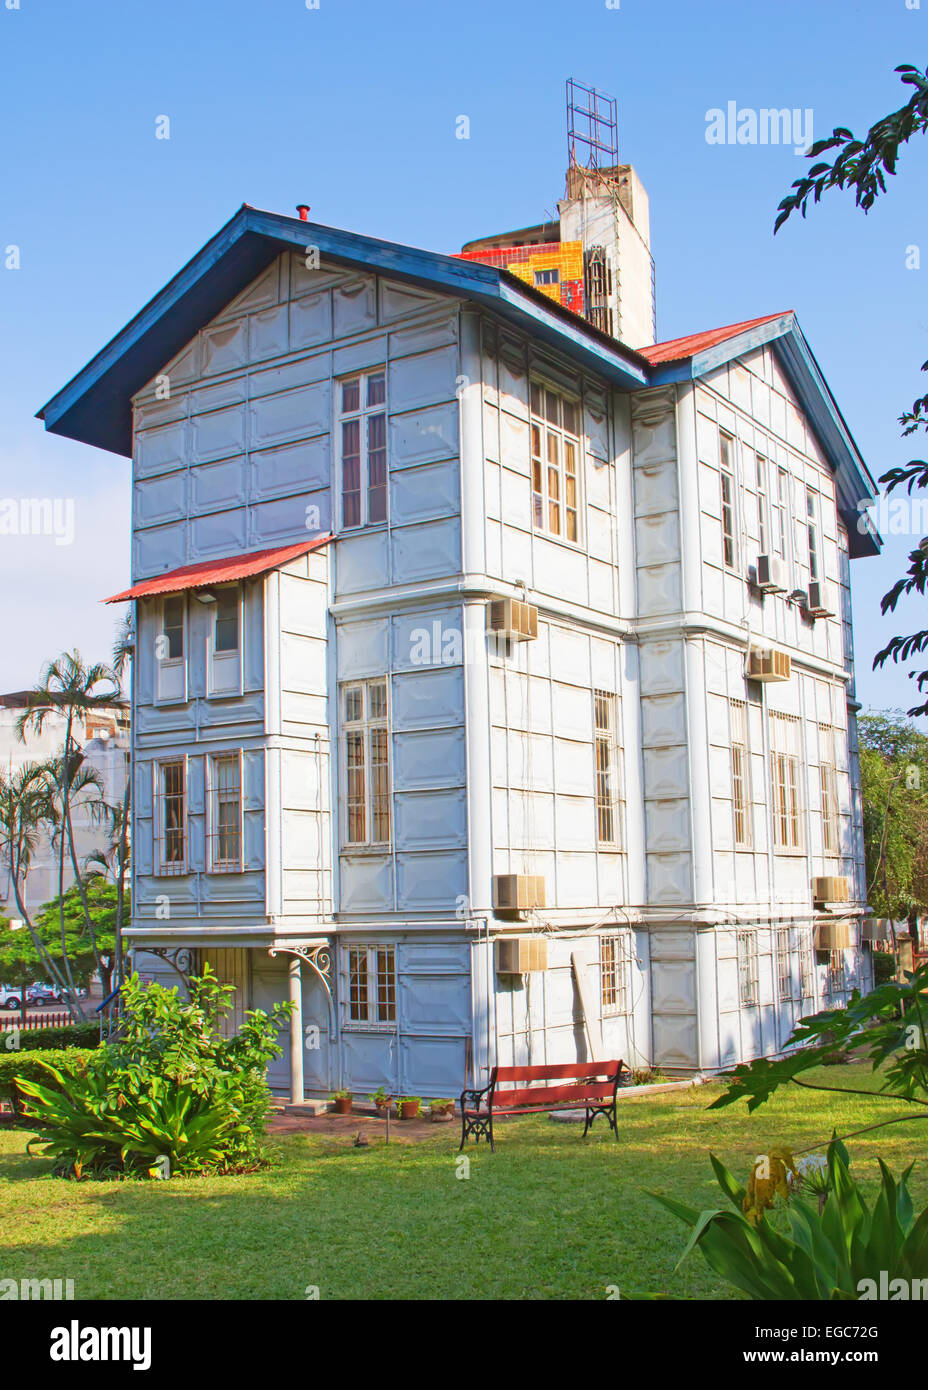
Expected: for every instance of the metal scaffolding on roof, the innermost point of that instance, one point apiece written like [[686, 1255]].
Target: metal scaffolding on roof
[[592, 128]]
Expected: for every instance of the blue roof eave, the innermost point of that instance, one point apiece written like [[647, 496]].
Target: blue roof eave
[[95, 406]]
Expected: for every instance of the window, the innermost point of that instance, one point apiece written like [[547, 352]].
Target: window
[[781, 512], [784, 782], [812, 531], [763, 525], [366, 763], [613, 978], [783, 963], [172, 629], [225, 643], [225, 637], [740, 774], [747, 968], [547, 277], [606, 771], [555, 426], [828, 776], [169, 650], [171, 817], [372, 984], [363, 442], [727, 479], [836, 979], [225, 814], [806, 966]]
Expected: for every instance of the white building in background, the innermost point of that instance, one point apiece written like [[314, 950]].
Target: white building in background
[[494, 680], [104, 740]]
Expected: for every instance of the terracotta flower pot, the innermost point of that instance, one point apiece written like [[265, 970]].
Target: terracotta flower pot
[[409, 1109], [342, 1105]]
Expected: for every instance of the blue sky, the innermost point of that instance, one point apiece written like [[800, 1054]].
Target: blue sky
[[351, 107]]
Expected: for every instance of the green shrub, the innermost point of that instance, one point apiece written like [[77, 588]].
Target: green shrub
[[830, 1249], [71, 1035], [30, 1066], [170, 1095]]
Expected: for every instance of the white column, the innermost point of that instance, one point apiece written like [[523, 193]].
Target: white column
[[296, 1031]]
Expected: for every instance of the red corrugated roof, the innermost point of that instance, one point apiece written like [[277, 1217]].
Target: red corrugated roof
[[679, 348], [219, 571]]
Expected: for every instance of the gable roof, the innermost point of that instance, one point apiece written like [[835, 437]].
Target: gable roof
[[95, 406], [676, 349], [207, 572], [687, 359]]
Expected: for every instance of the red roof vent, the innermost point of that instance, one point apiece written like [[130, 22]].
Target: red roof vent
[[303, 210]]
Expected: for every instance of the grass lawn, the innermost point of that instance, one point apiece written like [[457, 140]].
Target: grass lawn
[[549, 1216]]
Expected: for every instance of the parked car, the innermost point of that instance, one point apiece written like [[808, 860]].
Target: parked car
[[40, 994], [10, 998]]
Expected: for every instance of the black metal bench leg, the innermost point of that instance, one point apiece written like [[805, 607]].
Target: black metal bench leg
[[587, 1122]]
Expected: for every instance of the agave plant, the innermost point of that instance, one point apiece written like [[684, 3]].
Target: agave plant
[[827, 1253]]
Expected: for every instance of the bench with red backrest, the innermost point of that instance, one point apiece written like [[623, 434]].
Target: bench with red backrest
[[592, 1085]]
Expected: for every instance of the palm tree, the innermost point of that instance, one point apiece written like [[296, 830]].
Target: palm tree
[[71, 690], [27, 808]]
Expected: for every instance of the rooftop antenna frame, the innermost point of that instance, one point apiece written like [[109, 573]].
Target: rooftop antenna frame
[[592, 124]]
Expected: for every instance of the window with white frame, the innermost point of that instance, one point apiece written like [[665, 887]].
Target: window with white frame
[[171, 816], [555, 439], [366, 762], [225, 813], [362, 427], [806, 965], [781, 513], [607, 807], [170, 650], [828, 779], [785, 783], [783, 963], [763, 520], [613, 974], [727, 484], [372, 985], [740, 774], [748, 968], [812, 534], [225, 641]]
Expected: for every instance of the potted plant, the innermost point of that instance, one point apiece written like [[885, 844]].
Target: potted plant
[[342, 1101], [408, 1107], [440, 1110], [382, 1100]]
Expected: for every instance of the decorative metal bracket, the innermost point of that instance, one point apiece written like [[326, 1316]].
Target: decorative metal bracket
[[179, 958], [318, 956]]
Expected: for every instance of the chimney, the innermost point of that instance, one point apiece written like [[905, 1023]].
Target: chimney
[[303, 210]]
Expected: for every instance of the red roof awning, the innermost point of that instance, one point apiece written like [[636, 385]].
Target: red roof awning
[[208, 572], [676, 349]]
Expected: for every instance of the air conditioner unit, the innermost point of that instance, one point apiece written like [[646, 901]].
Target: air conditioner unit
[[518, 892], [771, 574], [875, 929], [769, 665], [821, 600], [830, 890], [510, 617], [833, 936], [520, 955]]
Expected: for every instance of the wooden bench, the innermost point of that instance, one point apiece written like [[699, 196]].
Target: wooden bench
[[592, 1085]]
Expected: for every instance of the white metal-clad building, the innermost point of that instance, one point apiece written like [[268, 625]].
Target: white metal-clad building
[[493, 694]]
